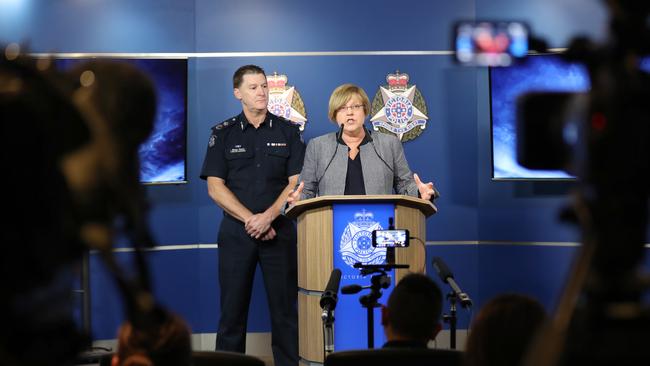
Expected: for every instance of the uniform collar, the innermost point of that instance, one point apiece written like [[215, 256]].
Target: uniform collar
[[244, 124]]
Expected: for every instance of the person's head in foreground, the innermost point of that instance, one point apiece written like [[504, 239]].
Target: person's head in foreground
[[164, 345], [412, 314], [503, 329]]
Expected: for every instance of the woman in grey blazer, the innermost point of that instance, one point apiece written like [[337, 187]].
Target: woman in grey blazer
[[354, 160]]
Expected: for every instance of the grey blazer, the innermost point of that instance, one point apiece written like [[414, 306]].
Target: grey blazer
[[377, 176]]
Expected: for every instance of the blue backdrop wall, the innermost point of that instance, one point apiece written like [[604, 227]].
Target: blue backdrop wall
[[496, 236]]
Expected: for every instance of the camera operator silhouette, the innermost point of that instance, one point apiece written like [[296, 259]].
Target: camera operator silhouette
[[78, 176]]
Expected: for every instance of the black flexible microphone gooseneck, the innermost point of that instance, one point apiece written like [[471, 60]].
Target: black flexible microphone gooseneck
[[338, 141], [447, 277], [372, 142], [436, 194]]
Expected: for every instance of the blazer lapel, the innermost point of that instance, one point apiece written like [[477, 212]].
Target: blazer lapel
[[340, 169], [372, 177]]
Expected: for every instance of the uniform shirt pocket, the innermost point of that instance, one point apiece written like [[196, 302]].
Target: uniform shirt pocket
[[238, 152], [278, 151], [277, 158], [239, 159]]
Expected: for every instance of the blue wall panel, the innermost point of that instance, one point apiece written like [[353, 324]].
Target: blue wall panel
[[337, 25], [173, 218], [15, 20], [106, 309], [537, 271], [184, 280], [111, 26]]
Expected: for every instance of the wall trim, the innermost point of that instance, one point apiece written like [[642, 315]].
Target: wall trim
[[257, 343], [509, 243], [169, 247], [429, 243], [182, 55]]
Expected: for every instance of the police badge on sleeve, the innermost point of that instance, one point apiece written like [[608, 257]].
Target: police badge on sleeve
[[356, 241], [285, 101], [399, 108]]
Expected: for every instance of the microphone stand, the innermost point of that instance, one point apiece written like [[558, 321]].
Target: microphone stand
[[328, 302], [456, 295], [328, 332], [451, 319]]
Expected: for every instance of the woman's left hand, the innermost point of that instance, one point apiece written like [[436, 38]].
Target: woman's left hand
[[426, 190]]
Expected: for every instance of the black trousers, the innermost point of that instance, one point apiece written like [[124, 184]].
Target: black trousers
[[238, 258]]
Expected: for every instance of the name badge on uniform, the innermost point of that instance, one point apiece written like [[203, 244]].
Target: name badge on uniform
[[276, 144], [238, 149]]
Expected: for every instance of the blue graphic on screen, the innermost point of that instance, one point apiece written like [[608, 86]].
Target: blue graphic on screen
[[352, 232], [162, 156], [536, 73], [644, 64]]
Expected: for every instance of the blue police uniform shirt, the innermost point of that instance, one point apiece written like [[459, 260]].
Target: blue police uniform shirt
[[255, 163]]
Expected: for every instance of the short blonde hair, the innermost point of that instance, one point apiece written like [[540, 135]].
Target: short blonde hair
[[342, 94]]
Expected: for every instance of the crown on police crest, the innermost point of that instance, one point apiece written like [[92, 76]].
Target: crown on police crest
[[364, 216], [276, 82], [397, 81]]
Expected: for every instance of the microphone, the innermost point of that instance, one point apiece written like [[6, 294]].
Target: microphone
[[443, 271], [329, 298], [339, 133], [447, 277], [339, 140]]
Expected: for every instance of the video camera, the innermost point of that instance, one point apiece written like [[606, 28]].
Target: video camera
[[73, 187], [603, 138]]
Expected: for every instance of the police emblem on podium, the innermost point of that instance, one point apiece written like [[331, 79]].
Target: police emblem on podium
[[399, 108], [356, 241], [285, 101], [353, 224]]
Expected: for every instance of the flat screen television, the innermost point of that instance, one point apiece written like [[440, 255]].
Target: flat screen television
[[546, 72], [163, 155]]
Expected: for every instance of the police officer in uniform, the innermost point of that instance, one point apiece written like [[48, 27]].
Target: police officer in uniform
[[252, 163]]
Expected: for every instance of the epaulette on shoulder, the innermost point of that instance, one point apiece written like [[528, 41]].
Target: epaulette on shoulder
[[225, 124]]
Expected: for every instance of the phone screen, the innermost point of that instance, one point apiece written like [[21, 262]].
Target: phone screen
[[481, 43], [390, 238]]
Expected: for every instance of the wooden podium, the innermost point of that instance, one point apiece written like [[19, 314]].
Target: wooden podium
[[315, 218]]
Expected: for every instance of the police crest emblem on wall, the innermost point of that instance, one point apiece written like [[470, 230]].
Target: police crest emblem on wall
[[285, 101], [398, 108], [356, 241]]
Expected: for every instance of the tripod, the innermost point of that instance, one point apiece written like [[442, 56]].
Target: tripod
[[379, 281], [451, 319]]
